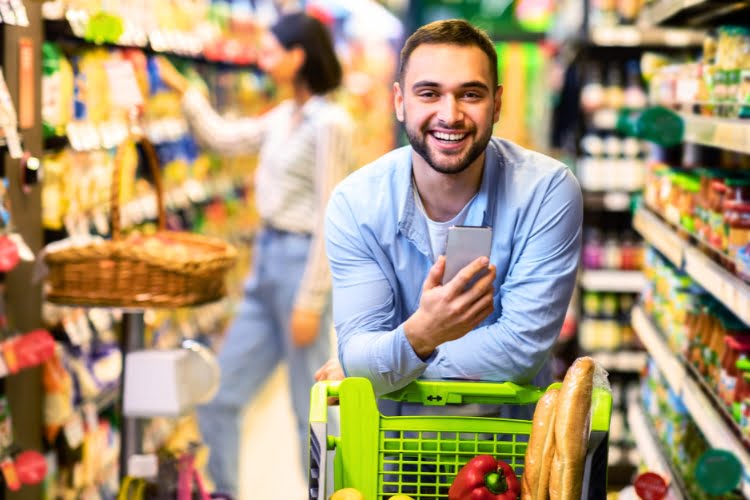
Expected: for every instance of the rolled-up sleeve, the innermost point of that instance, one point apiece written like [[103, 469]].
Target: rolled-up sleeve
[[533, 298], [226, 136], [370, 342]]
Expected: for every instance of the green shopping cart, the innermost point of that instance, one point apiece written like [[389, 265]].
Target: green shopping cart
[[420, 456]]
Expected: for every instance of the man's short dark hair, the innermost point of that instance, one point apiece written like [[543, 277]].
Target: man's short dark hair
[[451, 32]]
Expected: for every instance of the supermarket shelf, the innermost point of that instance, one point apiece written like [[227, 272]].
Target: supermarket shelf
[[650, 449], [660, 235], [61, 30], [596, 174], [724, 133], [727, 288], [609, 201], [633, 36], [703, 409], [692, 12], [621, 361], [613, 281]]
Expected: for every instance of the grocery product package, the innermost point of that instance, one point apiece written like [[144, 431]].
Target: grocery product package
[[555, 456]]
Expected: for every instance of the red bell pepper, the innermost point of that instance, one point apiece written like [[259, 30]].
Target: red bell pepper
[[484, 478]]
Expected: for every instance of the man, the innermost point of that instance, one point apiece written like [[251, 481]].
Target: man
[[387, 226]]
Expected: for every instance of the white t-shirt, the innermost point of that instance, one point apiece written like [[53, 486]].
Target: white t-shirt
[[439, 230]]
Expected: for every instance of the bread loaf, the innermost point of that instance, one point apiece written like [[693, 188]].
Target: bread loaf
[[572, 422], [540, 450]]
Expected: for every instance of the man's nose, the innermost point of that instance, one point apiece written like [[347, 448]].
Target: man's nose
[[450, 110]]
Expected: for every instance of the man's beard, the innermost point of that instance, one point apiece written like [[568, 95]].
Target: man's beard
[[419, 144]]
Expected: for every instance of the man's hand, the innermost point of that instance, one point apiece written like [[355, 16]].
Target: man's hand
[[170, 76], [448, 312], [331, 370], [304, 326]]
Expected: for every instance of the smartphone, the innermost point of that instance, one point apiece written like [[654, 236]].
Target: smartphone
[[465, 244]]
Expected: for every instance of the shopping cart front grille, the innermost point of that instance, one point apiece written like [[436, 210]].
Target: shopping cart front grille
[[421, 456]]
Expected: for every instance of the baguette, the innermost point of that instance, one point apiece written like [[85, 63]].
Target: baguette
[[540, 450], [572, 423]]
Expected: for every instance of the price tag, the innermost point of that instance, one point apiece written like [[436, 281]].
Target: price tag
[[718, 472], [651, 486], [125, 92]]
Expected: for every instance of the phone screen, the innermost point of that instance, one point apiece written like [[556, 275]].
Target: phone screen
[[465, 244]]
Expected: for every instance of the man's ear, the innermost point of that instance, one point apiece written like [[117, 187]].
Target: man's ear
[[398, 102], [498, 103]]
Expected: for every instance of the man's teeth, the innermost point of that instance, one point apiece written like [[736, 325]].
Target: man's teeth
[[449, 137]]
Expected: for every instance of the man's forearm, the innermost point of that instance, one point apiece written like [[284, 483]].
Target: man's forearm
[[387, 359]]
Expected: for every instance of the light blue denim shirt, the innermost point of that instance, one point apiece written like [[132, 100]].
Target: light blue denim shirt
[[379, 250]]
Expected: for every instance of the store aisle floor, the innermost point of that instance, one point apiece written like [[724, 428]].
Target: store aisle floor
[[269, 446]]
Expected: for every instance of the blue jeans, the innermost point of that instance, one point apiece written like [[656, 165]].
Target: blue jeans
[[255, 343]]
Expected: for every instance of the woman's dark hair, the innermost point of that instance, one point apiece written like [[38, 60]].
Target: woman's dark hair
[[321, 70], [450, 32]]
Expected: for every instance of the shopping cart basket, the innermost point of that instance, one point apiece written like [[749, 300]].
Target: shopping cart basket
[[420, 455]]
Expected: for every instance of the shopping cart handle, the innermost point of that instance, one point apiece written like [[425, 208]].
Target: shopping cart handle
[[445, 392]]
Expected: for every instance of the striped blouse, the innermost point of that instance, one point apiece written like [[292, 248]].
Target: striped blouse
[[298, 167]]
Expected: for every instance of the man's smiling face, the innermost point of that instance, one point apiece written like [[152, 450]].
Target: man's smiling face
[[448, 105]]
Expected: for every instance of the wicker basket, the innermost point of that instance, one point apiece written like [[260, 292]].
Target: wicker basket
[[140, 271]]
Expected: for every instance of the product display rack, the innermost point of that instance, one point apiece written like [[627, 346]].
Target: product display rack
[[651, 450], [723, 133], [684, 254], [60, 30], [635, 36], [23, 295], [702, 405], [611, 280], [691, 12], [694, 258]]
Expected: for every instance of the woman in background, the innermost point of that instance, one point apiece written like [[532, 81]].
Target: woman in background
[[304, 147]]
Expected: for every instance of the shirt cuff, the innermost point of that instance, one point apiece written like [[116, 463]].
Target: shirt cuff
[[396, 361]]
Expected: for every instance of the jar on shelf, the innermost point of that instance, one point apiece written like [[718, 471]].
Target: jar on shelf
[[743, 88], [736, 206], [686, 200], [742, 263], [741, 409], [652, 185], [702, 202], [718, 233], [670, 195], [733, 44], [737, 347], [727, 325]]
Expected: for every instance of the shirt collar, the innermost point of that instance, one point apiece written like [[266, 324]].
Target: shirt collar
[[412, 223], [312, 105]]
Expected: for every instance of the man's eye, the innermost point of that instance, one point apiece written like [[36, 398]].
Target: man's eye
[[472, 95], [428, 94]]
